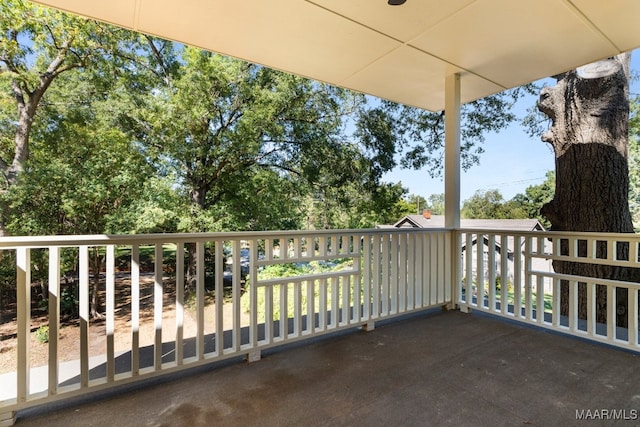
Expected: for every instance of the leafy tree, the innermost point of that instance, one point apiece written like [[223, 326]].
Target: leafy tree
[[362, 210], [535, 196], [37, 45], [490, 204], [419, 134], [84, 176], [436, 203], [417, 203], [233, 130]]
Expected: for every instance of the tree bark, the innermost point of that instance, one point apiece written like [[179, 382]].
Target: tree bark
[[589, 110]]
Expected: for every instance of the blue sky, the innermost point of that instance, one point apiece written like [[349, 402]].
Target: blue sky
[[512, 160]]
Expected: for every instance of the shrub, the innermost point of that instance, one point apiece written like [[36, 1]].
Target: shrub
[[42, 334], [69, 300]]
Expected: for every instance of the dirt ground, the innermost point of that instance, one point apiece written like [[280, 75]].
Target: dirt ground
[[69, 336]]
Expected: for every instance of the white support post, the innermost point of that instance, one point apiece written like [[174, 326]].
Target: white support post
[[452, 152], [452, 179]]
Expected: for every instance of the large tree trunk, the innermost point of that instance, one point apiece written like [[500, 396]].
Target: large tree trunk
[[589, 109]]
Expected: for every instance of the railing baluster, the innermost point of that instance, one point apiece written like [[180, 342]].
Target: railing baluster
[[322, 246], [219, 294], [491, 267], [335, 302], [356, 252], [540, 298], [504, 273], [528, 306], [268, 249], [135, 310], [591, 308], [84, 315], [200, 276], [612, 253], [284, 310], [633, 253], [479, 251], [434, 267], [556, 302], [283, 244], [297, 308], [386, 274], [23, 284], [398, 279], [444, 259], [346, 306], [253, 300], [468, 253], [157, 306], [419, 271], [237, 293], [376, 284], [54, 317], [311, 322], [179, 347], [411, 272], [517, 277], [322, 301], [573, 247], [367, 261], [268, 314], [573, 306], [611, 313], [110, 307], [633, 317], [297, 245]]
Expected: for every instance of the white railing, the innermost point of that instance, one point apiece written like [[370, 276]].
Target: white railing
[[510, 274], [152, 327]]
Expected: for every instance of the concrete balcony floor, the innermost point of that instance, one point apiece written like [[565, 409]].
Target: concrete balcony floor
[[438, 368]]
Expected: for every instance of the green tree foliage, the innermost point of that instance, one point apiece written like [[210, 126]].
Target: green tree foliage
[[490, 205], [436, 204], [237, 134], [37, 46], [417, 203], [535, 196], [350, 207], [141, 134], [419, 134], [84, 175]]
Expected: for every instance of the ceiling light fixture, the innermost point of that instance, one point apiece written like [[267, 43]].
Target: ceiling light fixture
[[396, 2]]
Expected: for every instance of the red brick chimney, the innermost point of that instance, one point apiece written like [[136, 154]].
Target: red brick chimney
[[426, 213]]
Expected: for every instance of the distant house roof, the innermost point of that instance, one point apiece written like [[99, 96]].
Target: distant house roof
[[437, 221]]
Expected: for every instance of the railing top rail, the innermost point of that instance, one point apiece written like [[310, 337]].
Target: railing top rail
[[554, 234], [10, 242]]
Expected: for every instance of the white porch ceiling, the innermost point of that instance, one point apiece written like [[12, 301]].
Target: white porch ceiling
[[401, 53]]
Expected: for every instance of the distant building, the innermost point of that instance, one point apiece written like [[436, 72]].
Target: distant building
[[426, 220]]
